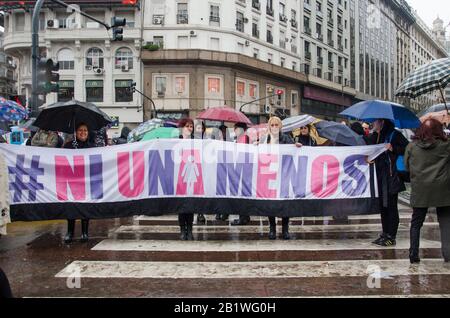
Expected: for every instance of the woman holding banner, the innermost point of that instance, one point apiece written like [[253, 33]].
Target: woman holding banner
[[80, 141], [276, 137], [186, 220], [389, 181], [427, 159]]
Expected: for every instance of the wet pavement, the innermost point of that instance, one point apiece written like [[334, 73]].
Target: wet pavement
[[143, 257]]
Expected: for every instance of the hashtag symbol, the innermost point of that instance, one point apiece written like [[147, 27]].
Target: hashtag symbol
[[19, 185]]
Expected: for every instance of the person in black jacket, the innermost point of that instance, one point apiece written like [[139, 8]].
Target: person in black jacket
[[186, 220], [81, 141], [389, 182], [276, 137], [305, 137]]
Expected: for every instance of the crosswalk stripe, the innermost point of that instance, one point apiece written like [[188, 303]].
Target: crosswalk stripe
[[259, 245], [382, 269]]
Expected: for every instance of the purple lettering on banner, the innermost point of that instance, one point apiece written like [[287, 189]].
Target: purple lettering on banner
[[96, 174], [162, 172], [20, 184], [291, 175], [228, 171], [352, 171]]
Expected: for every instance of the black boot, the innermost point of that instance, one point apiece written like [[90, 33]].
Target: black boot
[[414, 256], [285, 230], [189, 235], [201, 219], [70, 230], [273, 229], [84, 230]]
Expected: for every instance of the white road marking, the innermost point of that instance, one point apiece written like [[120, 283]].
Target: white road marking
[[217, 270]]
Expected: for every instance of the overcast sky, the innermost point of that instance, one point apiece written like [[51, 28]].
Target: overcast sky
[[429, 10]]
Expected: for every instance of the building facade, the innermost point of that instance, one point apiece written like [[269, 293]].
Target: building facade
[[8, 77], [92, 67], [439, 31]]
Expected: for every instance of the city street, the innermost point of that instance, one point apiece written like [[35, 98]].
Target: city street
[[143, 257]]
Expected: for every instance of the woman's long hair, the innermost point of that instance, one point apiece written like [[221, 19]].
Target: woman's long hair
[[431, 130]]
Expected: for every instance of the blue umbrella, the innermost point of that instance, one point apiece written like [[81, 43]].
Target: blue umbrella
[[10, 110], [372, 110]]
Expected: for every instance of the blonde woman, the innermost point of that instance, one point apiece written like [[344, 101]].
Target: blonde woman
[[276, 137]]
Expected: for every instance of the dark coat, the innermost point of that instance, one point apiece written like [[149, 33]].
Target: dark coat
[[429, 167], [389, 181], [306, 141], [80, 145], [284, 139]]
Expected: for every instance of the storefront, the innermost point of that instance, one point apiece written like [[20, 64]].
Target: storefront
[[324, 103]]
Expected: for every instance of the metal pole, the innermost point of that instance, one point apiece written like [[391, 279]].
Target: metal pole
[[35, 56], [443, 99], [151, 100], [257, 100]]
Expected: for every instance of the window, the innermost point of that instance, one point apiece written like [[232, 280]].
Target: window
[[65, 59], [213, 85], [240, 21], [94, 58], [253, 91], [294, 98], [214, 16], [66, 91], [124, 56], [94, 91], [182, 13], [19, 22], [240, 88], [123, 91], [180, 84], [161, 85]]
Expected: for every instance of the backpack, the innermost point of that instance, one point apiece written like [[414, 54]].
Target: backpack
[[400, 164], [44, 138]]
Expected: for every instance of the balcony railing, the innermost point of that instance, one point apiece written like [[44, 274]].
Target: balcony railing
[[182, 18], [308, 55], [320, 60], [331, 65], [214, 18], [256, 4], [269, 11], [294, 24], [307, 30]]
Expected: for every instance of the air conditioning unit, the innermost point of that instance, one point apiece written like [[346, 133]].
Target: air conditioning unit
[[125, 68], [52, 24], [247, 43], [161, 93], [245, 20], [158, 19], [192, 33], [99, 71]]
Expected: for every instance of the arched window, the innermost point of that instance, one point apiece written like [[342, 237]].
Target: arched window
[[124, 57], [94, 58], [65, 59]]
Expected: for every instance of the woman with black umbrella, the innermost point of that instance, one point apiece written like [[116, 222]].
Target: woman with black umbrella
[[81, 141], [389, 182]]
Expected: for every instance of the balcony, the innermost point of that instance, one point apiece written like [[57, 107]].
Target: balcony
[[269, 11], [294, 24], [341, 47], [283, 18], [307, 7], [340, 27], [182, 18], [308, 55], [255, 33], [341, 68], [269, 38], [214, 18], [331, 22], [240, 25], [320, 60], [331, 43], [319, 37], [330, 65]]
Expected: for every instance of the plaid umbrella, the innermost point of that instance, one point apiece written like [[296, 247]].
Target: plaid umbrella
[[427, 78]]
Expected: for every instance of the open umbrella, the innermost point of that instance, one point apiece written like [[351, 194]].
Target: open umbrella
[[226, 114], [137, 133], [162, 133], [65, 116], [10, 110], [372, 110], [432, 109], [292, 123], [339, 133], [443, 116], [29, 125], [427, 78]]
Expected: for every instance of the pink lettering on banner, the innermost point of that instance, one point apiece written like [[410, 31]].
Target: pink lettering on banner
[[317, 176], [74, 178], [190, 176], [123, 166], [265, 175]]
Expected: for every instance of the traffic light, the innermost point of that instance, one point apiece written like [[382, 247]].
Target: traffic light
[[280, 93], [47, 76], [133, 87], [116, 24]]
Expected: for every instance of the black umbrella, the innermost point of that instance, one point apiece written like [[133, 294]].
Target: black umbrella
[[66, 116], [339, 133]]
